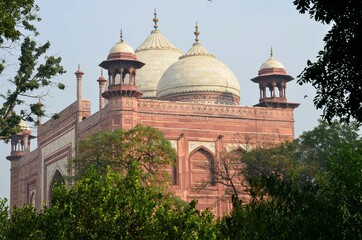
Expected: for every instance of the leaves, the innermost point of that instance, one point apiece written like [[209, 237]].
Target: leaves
[[120, 148], [112, 206], [298, 190], [337, 72], [35, 70]]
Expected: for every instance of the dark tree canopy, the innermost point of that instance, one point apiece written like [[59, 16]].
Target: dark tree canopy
[[34, 71], [337, 73]]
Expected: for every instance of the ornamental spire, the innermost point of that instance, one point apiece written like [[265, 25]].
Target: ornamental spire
[[271, 51], [155, 20], [121, 36], [197, 33]]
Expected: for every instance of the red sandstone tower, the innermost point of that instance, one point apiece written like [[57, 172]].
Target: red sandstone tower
[[122, 91], [20, 147]]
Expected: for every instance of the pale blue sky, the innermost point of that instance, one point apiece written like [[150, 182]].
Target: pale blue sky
[[239, 33]]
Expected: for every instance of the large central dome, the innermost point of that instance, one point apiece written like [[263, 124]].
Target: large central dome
[[199, 77], [158, 54]]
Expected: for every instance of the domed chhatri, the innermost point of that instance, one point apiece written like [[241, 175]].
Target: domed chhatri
[[158, 53], [272, 76], [199, 77], [121, 64]]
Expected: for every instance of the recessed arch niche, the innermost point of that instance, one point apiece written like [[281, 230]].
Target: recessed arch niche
[[202, 167]]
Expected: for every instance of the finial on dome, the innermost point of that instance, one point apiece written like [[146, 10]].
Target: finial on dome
[[121, 36], [155, 20], [197, 33], [101, 71], [271, 51], [79, 67]]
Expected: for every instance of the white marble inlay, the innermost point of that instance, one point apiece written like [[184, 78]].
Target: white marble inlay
[[208, 145]]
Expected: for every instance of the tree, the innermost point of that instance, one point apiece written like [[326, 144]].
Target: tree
[[120, 148], [299, 190], [4, 215], [35, 69], [336, 74], [112, 206]]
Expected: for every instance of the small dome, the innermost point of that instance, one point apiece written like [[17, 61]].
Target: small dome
[[121, 46], [272, 66], [199, 77], [121, 52], [158, 53], [23, 125], [272, 62]]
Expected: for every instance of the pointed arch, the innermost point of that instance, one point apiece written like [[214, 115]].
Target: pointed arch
[[57, 179], [32, 198], [202, 166]]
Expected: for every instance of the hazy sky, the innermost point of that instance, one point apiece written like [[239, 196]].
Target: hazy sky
[[239, 33]]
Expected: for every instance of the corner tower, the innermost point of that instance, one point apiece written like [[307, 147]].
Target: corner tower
[[122, 93], [272, 76]]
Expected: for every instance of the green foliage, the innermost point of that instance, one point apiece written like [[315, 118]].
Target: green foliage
[[14, 15], [4, 215], [336, 74], [120, 148], [35, 68], [112, 206], [299, 190]]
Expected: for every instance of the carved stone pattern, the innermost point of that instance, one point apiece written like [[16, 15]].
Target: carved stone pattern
[[121, 103], [235, 146], [206, 97], [208, 145], [208, 109]]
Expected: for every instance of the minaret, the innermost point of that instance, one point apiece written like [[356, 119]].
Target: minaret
[[102, 84], [20, 143], [79, 74], [40, 118], [272, 76], [121, 64]]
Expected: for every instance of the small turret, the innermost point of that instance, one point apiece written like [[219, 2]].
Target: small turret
[[121, 64], [20, 143], [79, 74], [273, 76], [102, 84]]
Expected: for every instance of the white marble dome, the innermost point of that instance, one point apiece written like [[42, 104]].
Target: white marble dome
[[121, 47], [158, 53], [272, 62], [23, 125], [198, 72]]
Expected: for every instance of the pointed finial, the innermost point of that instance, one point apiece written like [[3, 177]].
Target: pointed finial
[[78, 66], [121, 36], [155, 20], [101, 71], [271, 51], [197, 33]]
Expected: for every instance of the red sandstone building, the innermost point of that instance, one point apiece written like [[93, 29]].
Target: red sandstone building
[[193, 98]]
